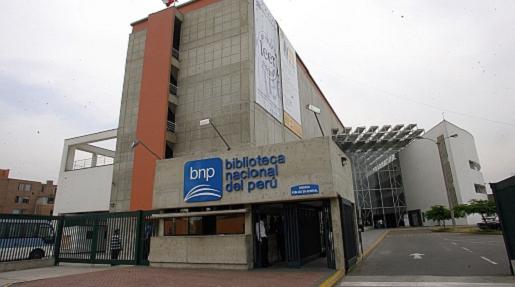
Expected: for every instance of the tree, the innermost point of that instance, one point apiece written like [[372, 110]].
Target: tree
[[483, 207], [438, 213], [460, 210]]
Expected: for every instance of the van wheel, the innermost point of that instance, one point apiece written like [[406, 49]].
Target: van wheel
[[37, 254]]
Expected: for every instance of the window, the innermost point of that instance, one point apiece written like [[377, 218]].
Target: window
[[205, 225], [480, 188], [176, 226], [24, 187], [19, 199], [474, 165], [230, 224], [195, 225]]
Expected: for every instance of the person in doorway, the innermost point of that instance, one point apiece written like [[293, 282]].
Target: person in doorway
[[149, 229], [263, 241], [116, 245]]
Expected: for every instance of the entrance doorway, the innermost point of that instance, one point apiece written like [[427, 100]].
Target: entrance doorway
[[415, 217], [293, 235]]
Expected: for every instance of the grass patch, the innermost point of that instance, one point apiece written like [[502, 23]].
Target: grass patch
[[467, 229]]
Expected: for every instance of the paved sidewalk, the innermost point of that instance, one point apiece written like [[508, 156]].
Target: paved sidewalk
[[150, 276], [7, 278], [369, 237]]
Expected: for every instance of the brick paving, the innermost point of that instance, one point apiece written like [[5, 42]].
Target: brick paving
[[150, 276]]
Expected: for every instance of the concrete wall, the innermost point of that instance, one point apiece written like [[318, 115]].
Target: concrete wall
[[342, 173], [422, 172], [124, 159], [84, 190], [26, 264], [214, 77], [87, 189], [207, 251], [307, 162]]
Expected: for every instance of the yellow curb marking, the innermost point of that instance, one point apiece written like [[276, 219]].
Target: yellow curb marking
[[374, 245], [331, 280]]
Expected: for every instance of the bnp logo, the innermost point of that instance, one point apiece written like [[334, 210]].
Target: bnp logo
[[203, 180]]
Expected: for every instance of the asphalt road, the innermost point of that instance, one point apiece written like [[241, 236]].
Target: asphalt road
[[436, 254]]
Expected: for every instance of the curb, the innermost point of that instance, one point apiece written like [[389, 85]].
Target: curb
[[374, 245], [333, 279]]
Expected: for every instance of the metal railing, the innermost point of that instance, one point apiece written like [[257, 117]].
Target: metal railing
[[88, 162], [170, 126], [172, 89], [85, 238], [175, 53]]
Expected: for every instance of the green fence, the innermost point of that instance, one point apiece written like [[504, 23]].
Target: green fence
[[96, 238], [27, 237]]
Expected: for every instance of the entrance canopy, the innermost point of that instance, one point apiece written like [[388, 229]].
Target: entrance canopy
[[376, 144]]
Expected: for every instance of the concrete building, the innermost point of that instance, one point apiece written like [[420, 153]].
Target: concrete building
[[200, 66], [85, 180], [216, 136], [443, 168], [20, 196]]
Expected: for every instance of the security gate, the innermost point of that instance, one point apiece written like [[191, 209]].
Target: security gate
[[94, 238], [350, 245], [328, 235], [85, 238]]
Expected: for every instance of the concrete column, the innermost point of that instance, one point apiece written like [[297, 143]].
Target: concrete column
[[70, 156], [337, 234], [249, 236], [94, 160]]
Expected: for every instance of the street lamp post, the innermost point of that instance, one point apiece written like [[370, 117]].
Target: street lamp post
[[206, 122], [451, 203], [316, 112], [138, 142]]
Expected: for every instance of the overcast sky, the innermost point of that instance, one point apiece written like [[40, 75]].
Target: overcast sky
[[378, 62]]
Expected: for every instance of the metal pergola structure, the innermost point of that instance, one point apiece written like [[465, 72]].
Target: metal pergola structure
[[376, 170]]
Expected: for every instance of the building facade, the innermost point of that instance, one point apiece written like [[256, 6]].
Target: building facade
[[443, 168], [197, 62], [20, 196], [215, 136]]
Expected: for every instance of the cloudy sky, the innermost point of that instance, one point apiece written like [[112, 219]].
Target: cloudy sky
[[378, 62]]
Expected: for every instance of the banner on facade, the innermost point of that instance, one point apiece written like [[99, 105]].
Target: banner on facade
[[290, 85], [267, 69]]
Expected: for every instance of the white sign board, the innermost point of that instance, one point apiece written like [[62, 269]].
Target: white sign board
[[267, 71], [290, 85]]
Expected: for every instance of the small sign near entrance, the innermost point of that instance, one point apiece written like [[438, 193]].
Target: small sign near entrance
[[305, 189]]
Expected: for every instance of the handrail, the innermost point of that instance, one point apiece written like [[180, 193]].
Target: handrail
[[88, 162], [172, 89], [175, 53], [170, 126]]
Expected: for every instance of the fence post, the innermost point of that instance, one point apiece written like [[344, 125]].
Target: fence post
[[94, 240], [139, 237], [58, 237]]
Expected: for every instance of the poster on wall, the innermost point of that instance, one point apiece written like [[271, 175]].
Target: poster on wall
[[267, 69], [290, 85]]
